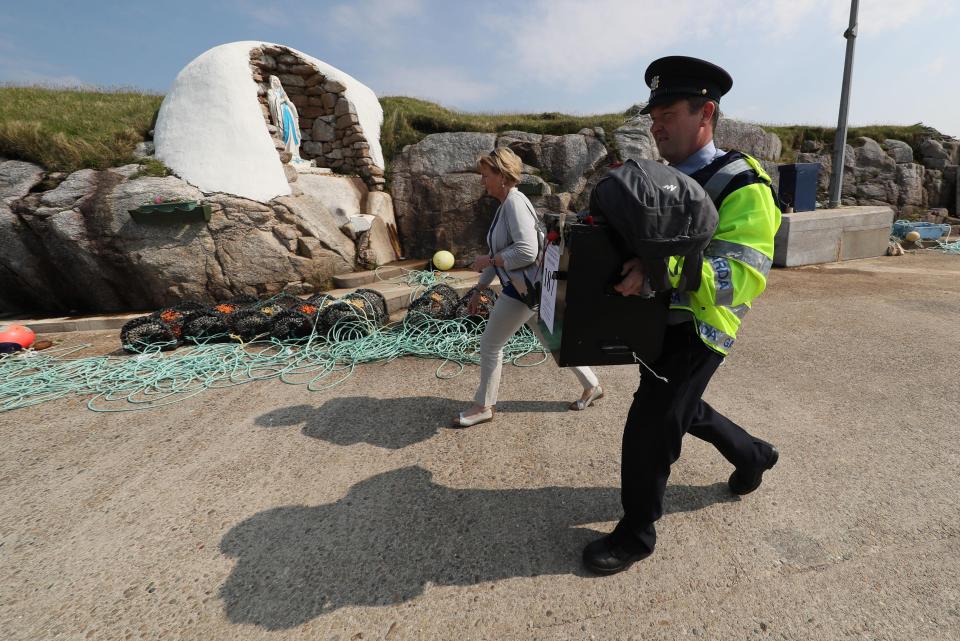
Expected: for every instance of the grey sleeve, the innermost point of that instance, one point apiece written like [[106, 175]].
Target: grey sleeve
[[523, 249], [486, 276]]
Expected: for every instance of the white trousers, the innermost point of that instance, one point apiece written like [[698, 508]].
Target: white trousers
[[508, 316]]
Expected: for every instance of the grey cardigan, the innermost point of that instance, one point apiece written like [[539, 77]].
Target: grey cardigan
[[513, 236]]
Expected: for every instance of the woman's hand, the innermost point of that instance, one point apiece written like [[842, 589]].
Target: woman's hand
[[632, 284], [481, 262], [473, 305]]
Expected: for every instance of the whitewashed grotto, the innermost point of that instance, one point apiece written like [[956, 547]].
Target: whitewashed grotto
[[284, 150]]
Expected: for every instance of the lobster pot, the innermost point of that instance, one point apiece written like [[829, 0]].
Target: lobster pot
[[248, 324], [438, 302], [270, 307], [140, 333], [229, 306], [378, 301], [487, 299], [205, 325], [174, 316], [283, 300], [315, 307], [349, 317], [321, 300], [292, 325]]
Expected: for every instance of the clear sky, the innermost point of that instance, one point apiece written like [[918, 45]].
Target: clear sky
[[587, 56]]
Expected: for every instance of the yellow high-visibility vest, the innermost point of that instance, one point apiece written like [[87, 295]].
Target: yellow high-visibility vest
[[739, 257]]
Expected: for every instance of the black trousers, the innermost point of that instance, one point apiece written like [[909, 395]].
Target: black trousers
[[661, 413]]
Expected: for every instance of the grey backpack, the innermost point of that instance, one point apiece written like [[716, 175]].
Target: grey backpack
[[656, 212]]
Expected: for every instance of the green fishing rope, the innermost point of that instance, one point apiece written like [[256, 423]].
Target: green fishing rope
[[154, 378], [419, 279], [950, 248]]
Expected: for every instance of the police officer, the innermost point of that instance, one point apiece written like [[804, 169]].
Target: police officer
[[684, 97]]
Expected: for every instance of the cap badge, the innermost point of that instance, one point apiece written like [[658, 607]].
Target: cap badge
[[655, 83]]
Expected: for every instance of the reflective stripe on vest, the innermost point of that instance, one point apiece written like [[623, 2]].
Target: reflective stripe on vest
[[719, 181], [746, 255], [722, 282], [722, 341], [682, 299], [740, 310]]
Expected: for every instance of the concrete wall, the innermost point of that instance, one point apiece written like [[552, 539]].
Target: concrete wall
[[830, 235]]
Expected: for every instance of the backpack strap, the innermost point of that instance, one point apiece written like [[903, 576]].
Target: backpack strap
[[729, 173], [719, 181], [692, 273], [537, 225]]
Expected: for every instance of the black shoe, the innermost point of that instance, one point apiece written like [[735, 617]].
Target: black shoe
[[614, 553], [742, 482]]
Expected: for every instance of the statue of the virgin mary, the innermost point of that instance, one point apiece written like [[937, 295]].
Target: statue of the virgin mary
[[285, 116]]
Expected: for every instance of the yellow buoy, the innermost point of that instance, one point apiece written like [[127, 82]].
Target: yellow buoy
[[443, 260], [912, 236]]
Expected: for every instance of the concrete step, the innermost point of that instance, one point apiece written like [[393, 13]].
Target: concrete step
[[74, 323], [385, 272], [361, 279], [398, 295]]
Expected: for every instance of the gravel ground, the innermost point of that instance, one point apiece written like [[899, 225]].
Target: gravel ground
[[265, 511]]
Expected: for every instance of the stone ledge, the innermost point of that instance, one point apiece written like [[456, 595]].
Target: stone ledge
[[361, 278], [76, 323], [397, 295]]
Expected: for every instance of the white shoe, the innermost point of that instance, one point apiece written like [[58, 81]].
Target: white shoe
[[583, 403], [466, 420]]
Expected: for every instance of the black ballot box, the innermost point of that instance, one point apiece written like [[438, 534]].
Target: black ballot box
[[798, 186], [582, 320]]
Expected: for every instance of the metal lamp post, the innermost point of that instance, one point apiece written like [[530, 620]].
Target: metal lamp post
[[840, 142]]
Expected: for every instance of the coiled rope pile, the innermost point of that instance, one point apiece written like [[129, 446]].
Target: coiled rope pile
[[155, 378], [950, 248]]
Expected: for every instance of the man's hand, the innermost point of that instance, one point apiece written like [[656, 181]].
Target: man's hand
[[632, 284]]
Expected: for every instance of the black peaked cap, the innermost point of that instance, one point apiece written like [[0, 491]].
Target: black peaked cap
[[676, 77]]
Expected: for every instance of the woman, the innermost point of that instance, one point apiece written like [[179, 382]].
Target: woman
[[514, 243]]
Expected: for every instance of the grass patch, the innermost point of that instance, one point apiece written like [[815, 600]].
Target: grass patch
[[152, 167], [407, 120], [70, 129], [793, 135]]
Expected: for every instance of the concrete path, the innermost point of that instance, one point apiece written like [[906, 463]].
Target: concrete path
[[268, 512]]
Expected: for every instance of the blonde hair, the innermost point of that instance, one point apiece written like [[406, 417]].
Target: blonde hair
[[503, 161]]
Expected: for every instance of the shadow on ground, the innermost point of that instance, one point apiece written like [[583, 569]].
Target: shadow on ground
[[395, 532], [391, 423]]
